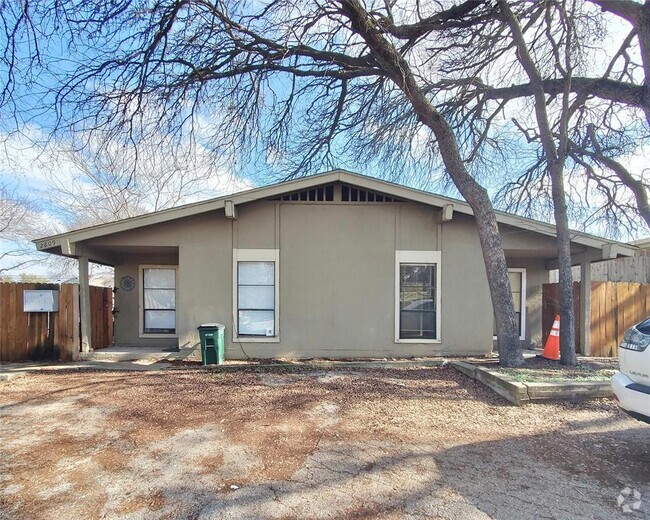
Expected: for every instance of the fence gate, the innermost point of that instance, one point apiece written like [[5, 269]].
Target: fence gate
[[55, 335]]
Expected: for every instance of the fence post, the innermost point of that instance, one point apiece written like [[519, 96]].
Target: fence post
[[76, 320], [585, 308], [84, 305]]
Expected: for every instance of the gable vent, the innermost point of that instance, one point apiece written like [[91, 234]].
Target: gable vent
[[351, 194], [320, 194]]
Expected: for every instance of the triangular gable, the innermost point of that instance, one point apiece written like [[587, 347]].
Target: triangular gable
[[359, 187]]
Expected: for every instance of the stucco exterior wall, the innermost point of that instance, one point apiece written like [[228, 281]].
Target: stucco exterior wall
[[466, 302], [204, 250], [336, 278]]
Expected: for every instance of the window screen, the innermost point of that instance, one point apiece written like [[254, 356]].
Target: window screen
[[159, 300], [256, 298], [417, 301]]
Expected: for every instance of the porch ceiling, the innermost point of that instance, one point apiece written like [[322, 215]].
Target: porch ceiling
[[547, 253], [141, 254], [541, 252]]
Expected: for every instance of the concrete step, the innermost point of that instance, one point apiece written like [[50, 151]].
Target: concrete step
[[132, 354]]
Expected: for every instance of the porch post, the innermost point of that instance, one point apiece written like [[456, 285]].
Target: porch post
[[585, 308], [84, 304]]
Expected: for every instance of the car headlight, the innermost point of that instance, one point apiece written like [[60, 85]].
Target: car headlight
[[635, 340]]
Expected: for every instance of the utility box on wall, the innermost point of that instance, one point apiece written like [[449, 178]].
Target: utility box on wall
[[40, 301]]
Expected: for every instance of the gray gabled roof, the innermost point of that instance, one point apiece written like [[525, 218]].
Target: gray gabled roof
[[281, 188]]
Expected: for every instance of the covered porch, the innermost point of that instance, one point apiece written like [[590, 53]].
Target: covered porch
[[536, 256], [144, 317]]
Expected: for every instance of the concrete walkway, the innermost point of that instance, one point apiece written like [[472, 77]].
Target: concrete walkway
[[156, 358], [9, 371], [141, 353]]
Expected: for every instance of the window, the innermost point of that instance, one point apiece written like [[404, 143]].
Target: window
[[255, 294], [517, 278], [159, 300], [417, 317], [417, 309]]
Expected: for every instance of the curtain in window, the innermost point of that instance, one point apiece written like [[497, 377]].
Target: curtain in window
[[159, 300], [256, 298]]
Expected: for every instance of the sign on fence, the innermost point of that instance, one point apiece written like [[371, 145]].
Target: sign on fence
[[40, 301]]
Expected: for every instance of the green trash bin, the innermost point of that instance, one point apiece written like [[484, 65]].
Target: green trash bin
[[212, 343]]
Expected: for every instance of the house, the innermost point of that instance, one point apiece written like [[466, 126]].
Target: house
[[330, 265]]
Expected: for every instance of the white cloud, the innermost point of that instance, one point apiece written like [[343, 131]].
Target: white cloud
[[24, 158], [68, 189]]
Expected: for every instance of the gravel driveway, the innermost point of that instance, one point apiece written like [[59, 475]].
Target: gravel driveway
[[392, 443]]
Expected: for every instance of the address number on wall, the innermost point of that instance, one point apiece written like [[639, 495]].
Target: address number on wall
[[45, 244]]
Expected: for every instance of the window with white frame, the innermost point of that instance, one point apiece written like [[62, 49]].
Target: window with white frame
[[159, 300], [417, 289], [517, 278], [256, 298]]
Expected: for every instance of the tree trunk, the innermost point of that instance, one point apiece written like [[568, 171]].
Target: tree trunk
[[398, 70], [509, 345], [567, 315]]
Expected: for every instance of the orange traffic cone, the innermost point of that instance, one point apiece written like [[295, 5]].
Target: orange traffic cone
[[552, 347]]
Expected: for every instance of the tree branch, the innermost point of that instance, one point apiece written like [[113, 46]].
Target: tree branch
[[626, 9], [606, 89], [637, 187], [450, 18]]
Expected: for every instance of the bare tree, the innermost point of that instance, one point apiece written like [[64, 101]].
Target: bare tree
[[18, 224], [98, 183], [303, 80], [107, 182], [609, 103], [576, 117], [633, 76], [555, 140]]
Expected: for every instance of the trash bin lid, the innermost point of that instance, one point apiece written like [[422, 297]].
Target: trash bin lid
[[211, 326]]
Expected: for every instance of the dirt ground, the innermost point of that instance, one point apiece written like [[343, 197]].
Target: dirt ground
[[407, 443]]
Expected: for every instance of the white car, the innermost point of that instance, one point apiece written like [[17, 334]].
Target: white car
[[632, 384]]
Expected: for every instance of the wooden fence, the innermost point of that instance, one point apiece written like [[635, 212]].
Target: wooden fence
[[101, 316], [615, 307], [35, 335], [628, 269]]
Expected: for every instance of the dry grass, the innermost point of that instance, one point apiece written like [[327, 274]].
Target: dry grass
[[540, 370]]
